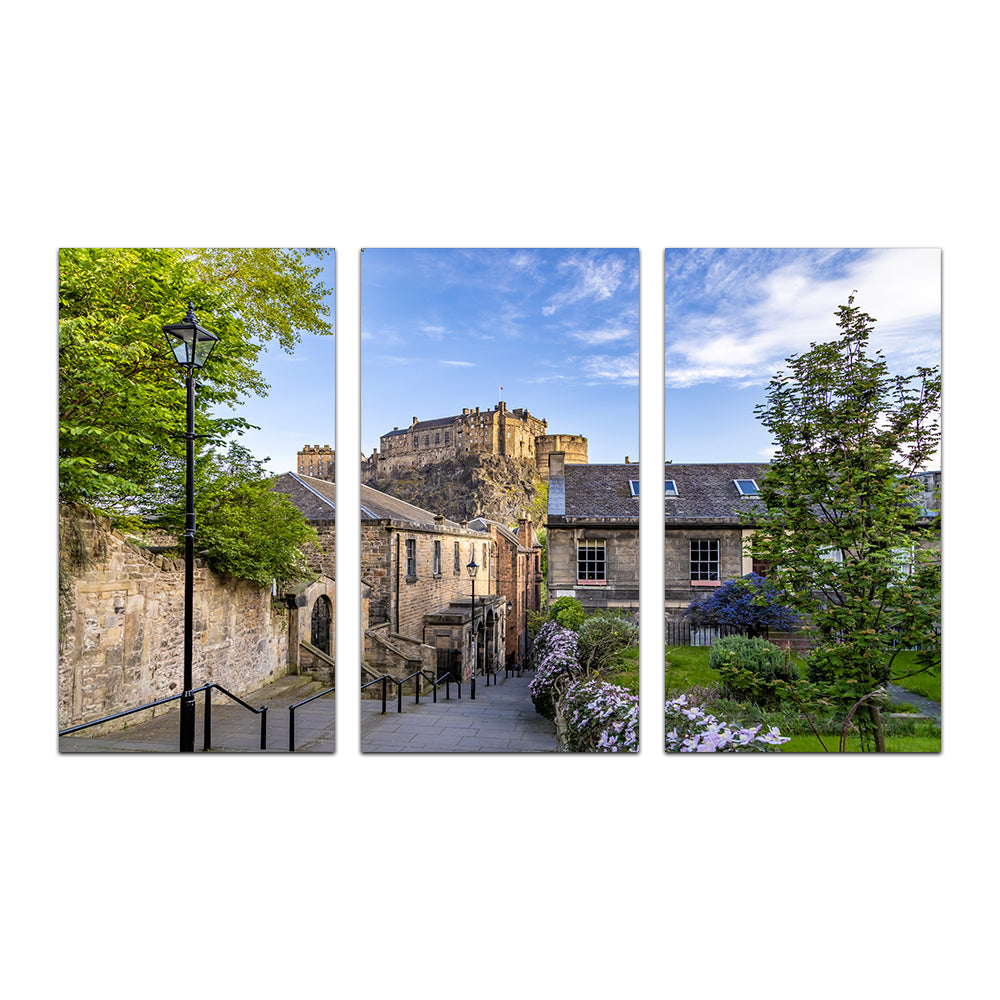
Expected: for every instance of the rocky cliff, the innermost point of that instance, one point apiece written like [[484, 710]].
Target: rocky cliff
[[477, 486]]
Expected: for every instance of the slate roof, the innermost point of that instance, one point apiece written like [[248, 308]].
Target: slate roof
[[317, 499], [596, 491], [421, 425], [708, 491]]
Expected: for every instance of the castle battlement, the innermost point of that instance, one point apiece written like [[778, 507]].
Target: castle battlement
[[497, 431]]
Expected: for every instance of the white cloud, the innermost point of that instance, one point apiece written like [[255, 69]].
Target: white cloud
[[772, 316]]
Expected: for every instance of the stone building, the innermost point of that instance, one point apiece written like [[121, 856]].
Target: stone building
[[593, 534], [705, 536], [498, 431], [418, 592], [316, 461], [517, 576]]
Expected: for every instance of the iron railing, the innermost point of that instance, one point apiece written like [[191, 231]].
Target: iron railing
[[386, 680], [291, 715], [207, 688]]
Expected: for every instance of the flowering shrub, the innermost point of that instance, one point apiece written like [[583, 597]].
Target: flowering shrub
[[749, 603], [600, 717], [556, 665], [695, 731]]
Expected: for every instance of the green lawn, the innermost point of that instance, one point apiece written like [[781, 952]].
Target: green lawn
[[928, 685], [893, 744]]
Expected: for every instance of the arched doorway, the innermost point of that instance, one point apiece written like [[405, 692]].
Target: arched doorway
[[319, 630]]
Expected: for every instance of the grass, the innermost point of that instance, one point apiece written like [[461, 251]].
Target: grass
[[926, 684], [893, 744], [624, 669], [686, 667]]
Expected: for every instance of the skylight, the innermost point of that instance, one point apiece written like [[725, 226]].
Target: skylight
[[671, 488], [746, 487], [633, 485]]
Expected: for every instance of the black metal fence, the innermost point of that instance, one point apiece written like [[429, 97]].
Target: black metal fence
[[680, 633]]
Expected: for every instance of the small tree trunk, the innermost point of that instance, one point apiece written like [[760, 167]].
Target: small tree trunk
[[875, 716]]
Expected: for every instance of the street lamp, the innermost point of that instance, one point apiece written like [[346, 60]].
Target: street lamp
[[191, 344], [473, 569]]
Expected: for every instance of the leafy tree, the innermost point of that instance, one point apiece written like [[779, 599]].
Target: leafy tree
[[245, 528], [121, 396], [840, 521], [750, 604]]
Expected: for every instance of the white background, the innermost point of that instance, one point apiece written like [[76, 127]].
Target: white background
[[522, 124]]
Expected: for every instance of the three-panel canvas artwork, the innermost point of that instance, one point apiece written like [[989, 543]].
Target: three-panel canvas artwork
[[792, 587]]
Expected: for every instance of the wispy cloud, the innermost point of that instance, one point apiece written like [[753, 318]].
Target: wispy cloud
[[458, 364], [735, 316]]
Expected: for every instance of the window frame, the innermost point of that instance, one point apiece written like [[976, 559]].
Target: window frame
[[743, 493], [411, 558], [666, 488], [591, 552], [701, 562]]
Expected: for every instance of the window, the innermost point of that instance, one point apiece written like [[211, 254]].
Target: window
[[704, 559], [458, 565], [447, 437], [746, 487], [437, 438], [633, 485], [590, 561], [411, 558], [670, 488], [437, 558]]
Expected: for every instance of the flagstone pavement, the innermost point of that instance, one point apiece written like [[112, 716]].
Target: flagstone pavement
[[501, 719]]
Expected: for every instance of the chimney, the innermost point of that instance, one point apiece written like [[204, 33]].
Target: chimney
[[557, 465], [524, 529], [414, 421], [626, 459]]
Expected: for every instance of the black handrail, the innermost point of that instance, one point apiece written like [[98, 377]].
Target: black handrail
[[447, 678], [291, 715], [386, 680], [207, 688]]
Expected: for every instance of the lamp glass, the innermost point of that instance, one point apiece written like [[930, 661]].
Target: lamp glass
[[473, 568]]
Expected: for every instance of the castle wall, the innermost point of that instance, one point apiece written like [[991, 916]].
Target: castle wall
[[317, 461], [498, 431], [574, 446]]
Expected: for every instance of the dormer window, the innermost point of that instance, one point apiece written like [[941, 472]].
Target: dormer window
[[746, 487], [633, 485], [670, 488]]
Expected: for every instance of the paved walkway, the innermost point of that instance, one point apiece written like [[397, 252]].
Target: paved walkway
[[234, 729], [502, 719], [926, 706]]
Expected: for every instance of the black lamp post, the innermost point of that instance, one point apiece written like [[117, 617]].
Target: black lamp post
[[191, 345], [473, 569]]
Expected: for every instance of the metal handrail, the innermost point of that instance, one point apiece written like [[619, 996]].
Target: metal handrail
[[447, 679], [291, 715], [207, 688]]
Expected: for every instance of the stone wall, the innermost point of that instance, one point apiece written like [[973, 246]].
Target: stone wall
[[121, 625], [621, 548], [678, 588]]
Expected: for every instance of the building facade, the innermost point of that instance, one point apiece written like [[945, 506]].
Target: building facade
[[317, 461], [593, 534]]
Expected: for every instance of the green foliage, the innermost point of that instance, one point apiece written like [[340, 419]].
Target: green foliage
[[244, 528], [567, 612], [603, 635], [121, 396], [840, 524], [751, 669]]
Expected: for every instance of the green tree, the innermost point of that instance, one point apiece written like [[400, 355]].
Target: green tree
[[121, 396], [245, 528], [841, 525]]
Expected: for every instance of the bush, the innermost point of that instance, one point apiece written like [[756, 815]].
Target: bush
[[600, 717], [749, 603], [568, 612], [602, 635], [752, 670], [556, 665]]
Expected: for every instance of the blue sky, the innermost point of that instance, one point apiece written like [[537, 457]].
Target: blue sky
[[299, 408], [733, 316], [557, 329]]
